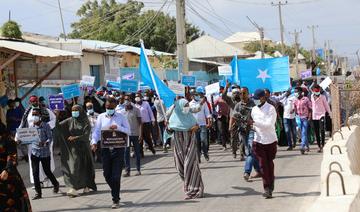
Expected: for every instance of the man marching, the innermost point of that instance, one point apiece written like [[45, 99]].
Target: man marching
[[112, 158]]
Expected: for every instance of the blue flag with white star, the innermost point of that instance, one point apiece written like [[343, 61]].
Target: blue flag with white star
[[270, 73]]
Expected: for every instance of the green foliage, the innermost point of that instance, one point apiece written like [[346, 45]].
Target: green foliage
[[11, 29], [127, 23]]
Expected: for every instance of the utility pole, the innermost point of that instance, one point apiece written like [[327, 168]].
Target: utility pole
[[261, 32], [312, 28], [183, 63], [281, 24], [358, 58], [9, 15], [62, 20], [296, 46]]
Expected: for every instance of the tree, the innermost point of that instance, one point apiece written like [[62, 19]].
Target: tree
[[126, 23], [11, 29]]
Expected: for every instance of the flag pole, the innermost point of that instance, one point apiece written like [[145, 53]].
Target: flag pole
[[152, 77]]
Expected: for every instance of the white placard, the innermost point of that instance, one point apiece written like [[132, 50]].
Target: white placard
[[213, 88], [177, 88], [325, 83], [225, 70], [87, 80], [111, 77], [27, 135]]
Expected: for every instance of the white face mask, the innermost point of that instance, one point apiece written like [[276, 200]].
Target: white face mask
[[137, 99], [186, 110], [257, 102], [36, 119], [146, 98]]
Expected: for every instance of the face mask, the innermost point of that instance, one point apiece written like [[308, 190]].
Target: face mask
[[146, 98], [90, 111], [317, 93], [36, 119], [126, 102], [297, 95], [75, 114], [197, 98], [137, 99], [17, 104], [257, 102], [186, 110], [110, 112], [117, 98]]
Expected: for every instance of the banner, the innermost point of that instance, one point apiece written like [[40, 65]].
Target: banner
[[113, 139], [56, 102], [70, 91], [270, 73]]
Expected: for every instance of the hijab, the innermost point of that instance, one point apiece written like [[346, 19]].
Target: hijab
[[180, 121], [81, 121]]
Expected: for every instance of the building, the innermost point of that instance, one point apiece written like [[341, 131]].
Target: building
[[212, 49], [240, 39]]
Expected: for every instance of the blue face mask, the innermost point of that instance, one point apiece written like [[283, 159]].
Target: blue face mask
[[75, 114], [90, 111], [110, 112]]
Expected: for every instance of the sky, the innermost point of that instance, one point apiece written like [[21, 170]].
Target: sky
[[337, 20]]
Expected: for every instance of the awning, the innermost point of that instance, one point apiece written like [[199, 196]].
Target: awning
[[42, 54]]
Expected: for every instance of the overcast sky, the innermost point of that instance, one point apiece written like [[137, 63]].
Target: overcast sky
[[337, 20]]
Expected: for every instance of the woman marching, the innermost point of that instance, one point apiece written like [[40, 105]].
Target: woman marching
[[76, 161], [183, 124], [13, 194]]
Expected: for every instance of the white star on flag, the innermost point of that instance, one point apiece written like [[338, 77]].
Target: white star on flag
[[263, 75]]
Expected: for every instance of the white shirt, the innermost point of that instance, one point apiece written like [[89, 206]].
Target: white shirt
[[160, 108], [202, 115], [288, 103], [146, 112], [104, 122], [264, 123]]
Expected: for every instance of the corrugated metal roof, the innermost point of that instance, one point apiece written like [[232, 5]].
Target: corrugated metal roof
[[208, 47], [240, 37], [35, 50], [206, 62], [95, 44], [258, 55]]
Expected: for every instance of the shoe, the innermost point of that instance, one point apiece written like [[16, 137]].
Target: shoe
[[302, 151], [289, 149], [224, 149], [165, 149], [153, 151], [308, 149], [132, 155], [37, 196], [138, 173], [86, 190], [234, 155], [56, 189], [206, 157], [320, 150], [115, 205], [246, 177], [126, 174], [267, 194], [72, 193], [257, 175]]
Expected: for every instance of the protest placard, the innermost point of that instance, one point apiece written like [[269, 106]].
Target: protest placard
[[225, 70], [325, 83], [177, 88], [87, 81], [188, 80], [27, 135], [70, 91], [213, 88], [306, 74], [130, 86], [113, 139], [56, 102]]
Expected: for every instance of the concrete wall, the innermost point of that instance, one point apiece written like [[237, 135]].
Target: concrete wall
[[349, 159]]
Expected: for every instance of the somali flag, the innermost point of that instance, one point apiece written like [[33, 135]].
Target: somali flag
[[234, 78], [149, 78], [270, 73]]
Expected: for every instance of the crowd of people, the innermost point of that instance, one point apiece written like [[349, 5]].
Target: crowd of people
[[252, 125]]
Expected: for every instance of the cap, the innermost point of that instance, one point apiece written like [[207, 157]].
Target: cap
[[259, 93], [33, 99], [200, 89]]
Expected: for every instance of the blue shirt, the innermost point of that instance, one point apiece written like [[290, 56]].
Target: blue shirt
[[45, 135]]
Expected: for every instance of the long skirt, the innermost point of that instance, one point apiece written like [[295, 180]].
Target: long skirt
[[187, 163]]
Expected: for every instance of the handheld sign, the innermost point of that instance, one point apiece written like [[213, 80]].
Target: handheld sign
[[27, 135], [178, 89], [306, 74], [225, 70], [87, 81], [113, 139], [71, 91], [113, 85], [213, 88], [188, 80], [325, 83], [56, 102], [130, 86]]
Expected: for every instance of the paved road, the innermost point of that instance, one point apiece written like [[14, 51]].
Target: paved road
[[160, 189]]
